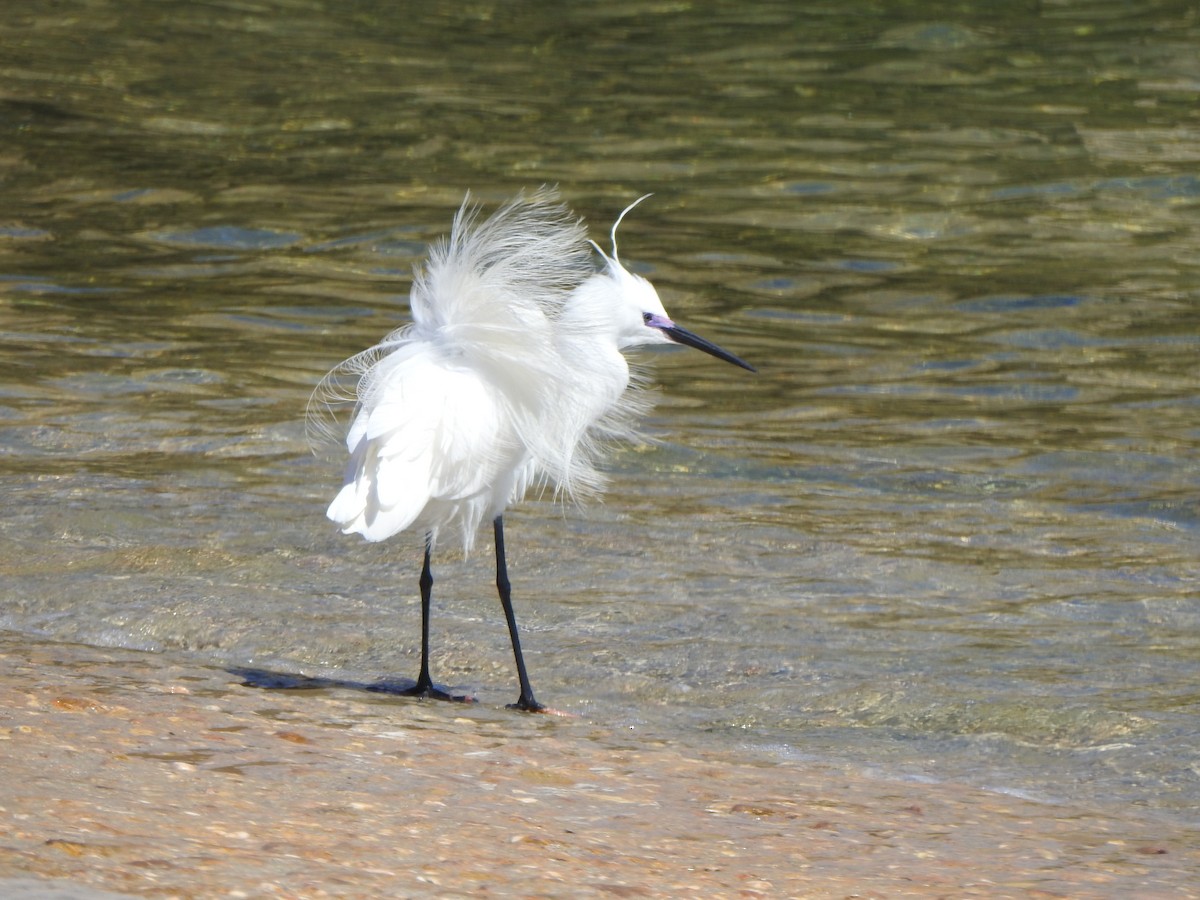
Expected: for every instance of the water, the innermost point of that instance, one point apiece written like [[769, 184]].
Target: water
[[950, 531]]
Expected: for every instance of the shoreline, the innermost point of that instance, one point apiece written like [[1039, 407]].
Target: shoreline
[[150, 776]]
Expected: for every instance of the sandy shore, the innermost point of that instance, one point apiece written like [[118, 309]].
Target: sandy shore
[[136, 774]]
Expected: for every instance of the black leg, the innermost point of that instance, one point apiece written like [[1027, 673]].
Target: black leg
[[526, 700], [424, 682], [424, 686]]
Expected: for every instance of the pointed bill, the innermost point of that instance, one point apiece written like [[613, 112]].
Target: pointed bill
[[681, 335]]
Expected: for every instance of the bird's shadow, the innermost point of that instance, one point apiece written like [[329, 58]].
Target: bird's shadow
[[265, 679]]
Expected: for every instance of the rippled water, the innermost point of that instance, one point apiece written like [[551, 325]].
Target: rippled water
[[949, 531]]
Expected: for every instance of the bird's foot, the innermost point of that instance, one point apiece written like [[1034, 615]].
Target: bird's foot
[[528, 704], [433, 693], [422, 689]]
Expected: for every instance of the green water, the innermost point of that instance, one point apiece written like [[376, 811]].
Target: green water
[[950, 531]]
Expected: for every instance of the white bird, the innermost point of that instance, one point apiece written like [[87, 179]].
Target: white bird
[[511, 375]]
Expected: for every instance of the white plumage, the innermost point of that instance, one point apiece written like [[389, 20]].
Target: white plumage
[[511, 374]]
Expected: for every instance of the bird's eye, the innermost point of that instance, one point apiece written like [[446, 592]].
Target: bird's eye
[[646, 317]]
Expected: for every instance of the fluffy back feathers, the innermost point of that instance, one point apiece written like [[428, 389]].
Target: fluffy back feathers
[[515, 301]]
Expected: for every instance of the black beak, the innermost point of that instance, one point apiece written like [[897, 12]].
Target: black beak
[[683, 336]]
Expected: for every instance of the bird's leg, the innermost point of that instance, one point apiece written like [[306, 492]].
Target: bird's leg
[[424, 682], [424, 686], [526, 700]]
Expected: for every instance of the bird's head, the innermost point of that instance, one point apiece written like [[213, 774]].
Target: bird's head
[[643, 320]]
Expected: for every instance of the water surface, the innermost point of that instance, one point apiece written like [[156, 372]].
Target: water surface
[[950, 531]]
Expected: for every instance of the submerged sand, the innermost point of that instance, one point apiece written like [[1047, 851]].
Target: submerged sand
[[153, 777]]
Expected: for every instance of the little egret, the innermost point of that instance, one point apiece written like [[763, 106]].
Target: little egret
[[511, 375]]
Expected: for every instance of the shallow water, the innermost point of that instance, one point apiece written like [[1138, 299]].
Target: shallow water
[[172, 778], [950, 531]]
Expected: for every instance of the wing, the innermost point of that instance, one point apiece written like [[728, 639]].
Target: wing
[[429, 446]]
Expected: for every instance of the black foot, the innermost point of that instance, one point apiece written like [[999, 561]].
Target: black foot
[[432, 693], [534, 707], [424, 691], [527, 704]]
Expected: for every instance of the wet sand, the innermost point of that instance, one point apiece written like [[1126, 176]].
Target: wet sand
[[151, 776]]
